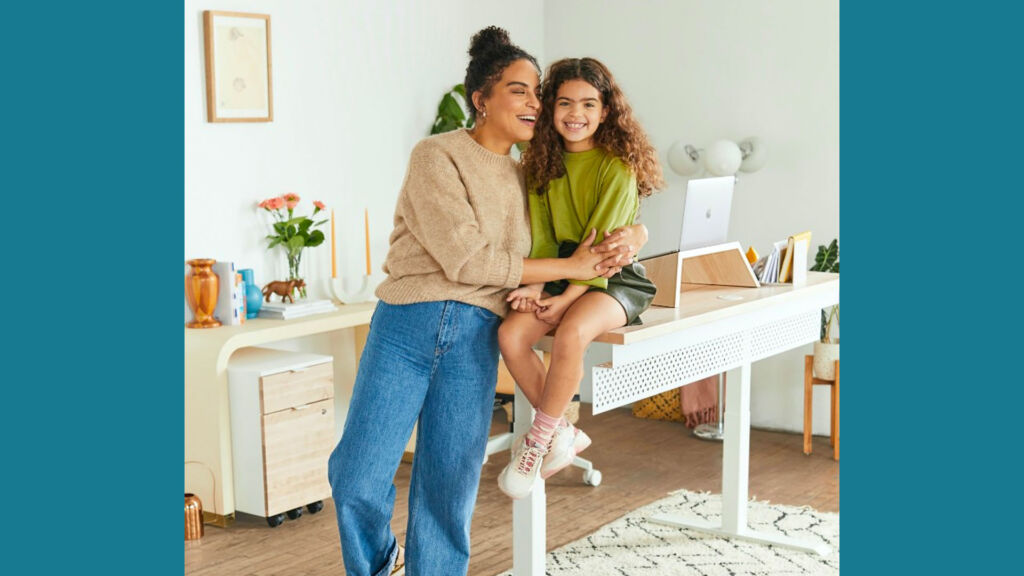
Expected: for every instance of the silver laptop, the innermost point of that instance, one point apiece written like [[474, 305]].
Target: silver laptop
[[700, 218]]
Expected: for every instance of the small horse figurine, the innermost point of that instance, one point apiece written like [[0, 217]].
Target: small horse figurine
[[283, 288]]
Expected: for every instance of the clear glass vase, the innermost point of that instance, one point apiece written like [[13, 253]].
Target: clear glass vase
[[294, 259]]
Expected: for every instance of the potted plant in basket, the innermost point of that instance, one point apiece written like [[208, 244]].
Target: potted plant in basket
[[826, 350]]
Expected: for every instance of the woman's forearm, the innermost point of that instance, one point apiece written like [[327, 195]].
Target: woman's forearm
[[538, 270]]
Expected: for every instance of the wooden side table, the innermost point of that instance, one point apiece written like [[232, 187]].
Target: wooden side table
[[809, 381]]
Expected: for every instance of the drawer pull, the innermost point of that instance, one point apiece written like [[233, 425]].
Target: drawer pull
[[297, 408], [300, 370]]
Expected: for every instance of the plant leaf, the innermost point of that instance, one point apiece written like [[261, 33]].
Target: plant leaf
[[296, 243], [316, 238], [827, 258], [451, 109]]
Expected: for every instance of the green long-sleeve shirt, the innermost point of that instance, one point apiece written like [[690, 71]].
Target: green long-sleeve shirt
[[598, 191]]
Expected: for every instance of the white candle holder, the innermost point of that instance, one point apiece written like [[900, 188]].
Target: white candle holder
[[348, 293]]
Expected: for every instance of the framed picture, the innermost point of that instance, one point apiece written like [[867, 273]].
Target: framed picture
[[238, 78]]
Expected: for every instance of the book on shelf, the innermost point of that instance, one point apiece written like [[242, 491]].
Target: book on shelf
[[230, 309], [787, 262], [794, 259], [298, 305], [289, 310], [770, 272]]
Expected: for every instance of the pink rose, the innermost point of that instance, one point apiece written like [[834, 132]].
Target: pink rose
[[319, 205], [275, 203], [263, 205]]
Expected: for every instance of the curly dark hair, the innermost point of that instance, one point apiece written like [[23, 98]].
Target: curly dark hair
[[620, 133], [490, 52]]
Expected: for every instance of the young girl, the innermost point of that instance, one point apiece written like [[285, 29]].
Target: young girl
[[587, 167]]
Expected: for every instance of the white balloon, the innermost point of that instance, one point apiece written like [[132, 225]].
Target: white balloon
[[723, 158], [683, 158]]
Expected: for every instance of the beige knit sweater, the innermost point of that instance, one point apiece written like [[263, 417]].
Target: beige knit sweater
[[461, 227]]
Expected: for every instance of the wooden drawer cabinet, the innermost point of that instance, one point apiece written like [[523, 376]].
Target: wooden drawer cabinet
[[282, 430], [297, 387]]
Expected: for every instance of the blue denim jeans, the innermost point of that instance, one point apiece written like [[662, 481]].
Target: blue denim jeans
[[435, 364]]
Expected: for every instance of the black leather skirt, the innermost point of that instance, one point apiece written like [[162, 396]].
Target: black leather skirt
[[630, 287]]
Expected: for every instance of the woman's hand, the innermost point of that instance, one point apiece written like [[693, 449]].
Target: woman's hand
[[620, 247], [586, 263]]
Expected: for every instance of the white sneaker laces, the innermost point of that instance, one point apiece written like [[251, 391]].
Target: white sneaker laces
[[528, 459]]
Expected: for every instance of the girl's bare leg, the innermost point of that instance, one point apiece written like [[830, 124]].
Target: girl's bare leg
[[516, 337], [592, 315]]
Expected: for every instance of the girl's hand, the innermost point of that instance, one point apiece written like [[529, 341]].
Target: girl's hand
[[527, 291], [524, 305], [552, 309], [524, 298]]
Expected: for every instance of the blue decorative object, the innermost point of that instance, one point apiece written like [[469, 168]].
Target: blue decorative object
[[253, 294]]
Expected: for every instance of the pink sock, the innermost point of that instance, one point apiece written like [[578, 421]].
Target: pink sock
[[542, 430]]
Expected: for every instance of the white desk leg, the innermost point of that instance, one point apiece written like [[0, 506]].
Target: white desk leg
[[529, 513], [736, 453], [735, 476]]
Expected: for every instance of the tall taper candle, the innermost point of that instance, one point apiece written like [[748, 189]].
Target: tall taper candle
[[366, 225], [334, 260]]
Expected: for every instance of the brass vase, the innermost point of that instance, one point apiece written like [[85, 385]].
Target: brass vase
[[193, 517], [201, 287]]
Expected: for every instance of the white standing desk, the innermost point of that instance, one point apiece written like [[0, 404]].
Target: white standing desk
[[710, 332]]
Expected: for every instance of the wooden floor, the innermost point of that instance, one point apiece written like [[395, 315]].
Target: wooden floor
[[640, 460]]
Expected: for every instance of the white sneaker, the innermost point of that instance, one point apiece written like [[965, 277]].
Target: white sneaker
[[398, 569], [567, 442], [517, 479]]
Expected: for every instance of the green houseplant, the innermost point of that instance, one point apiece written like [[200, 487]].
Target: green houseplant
[[450, 114], [826, 350]]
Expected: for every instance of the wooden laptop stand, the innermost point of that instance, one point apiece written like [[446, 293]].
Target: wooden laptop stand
[[718, 265]]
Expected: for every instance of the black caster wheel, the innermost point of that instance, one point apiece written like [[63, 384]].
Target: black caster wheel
[[294, 513], [275, 520], [315, 507]]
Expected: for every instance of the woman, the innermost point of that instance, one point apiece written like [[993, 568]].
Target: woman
[[459, 246]]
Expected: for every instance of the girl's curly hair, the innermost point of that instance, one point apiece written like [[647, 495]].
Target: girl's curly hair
[[620, 133]]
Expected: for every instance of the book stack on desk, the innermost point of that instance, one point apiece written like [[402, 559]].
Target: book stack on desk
[[289, 310], [787, 262]]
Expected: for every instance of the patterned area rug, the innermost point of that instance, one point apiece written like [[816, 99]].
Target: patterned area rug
[[634, 546]]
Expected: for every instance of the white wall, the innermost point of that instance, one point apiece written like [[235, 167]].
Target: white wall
[[703, 70], [356, 85]]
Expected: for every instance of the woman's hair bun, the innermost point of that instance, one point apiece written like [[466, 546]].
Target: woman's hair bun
[[487, 40]]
